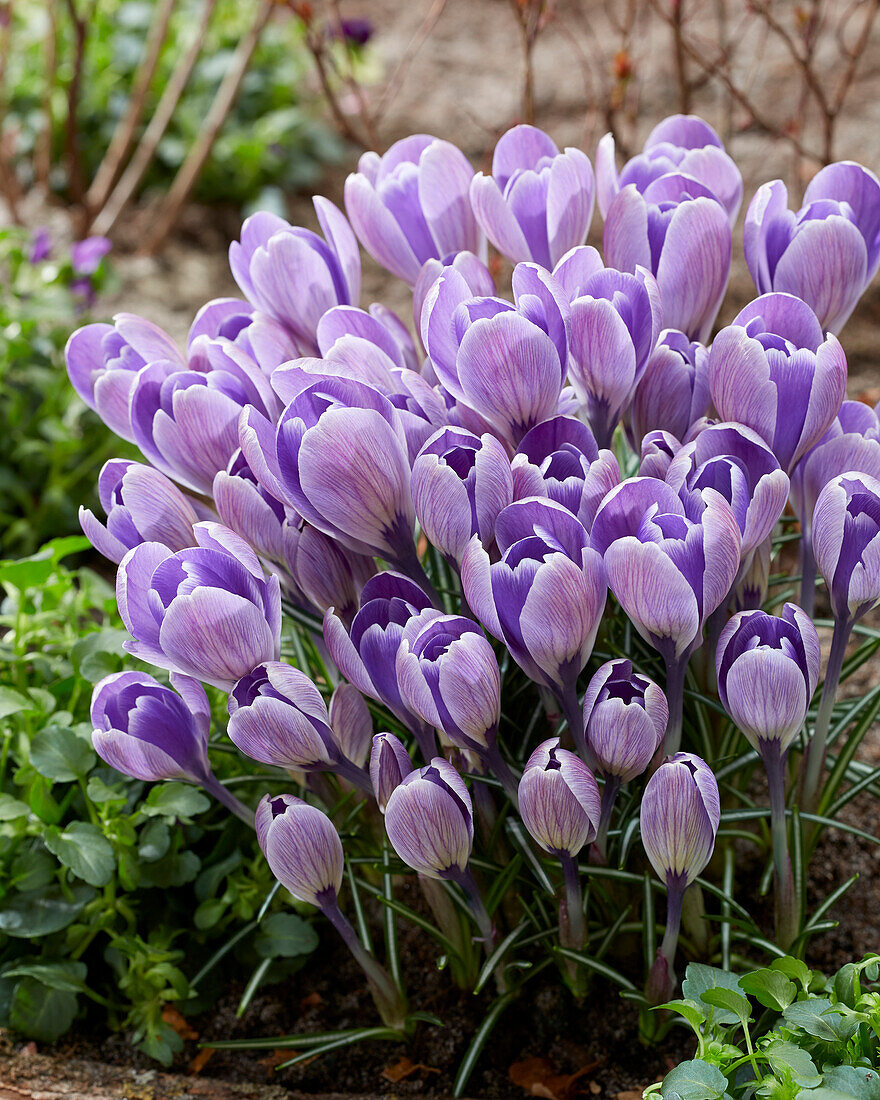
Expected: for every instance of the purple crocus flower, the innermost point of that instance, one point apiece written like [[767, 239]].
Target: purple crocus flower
[[657, 452], [41, 245], [357, 338], [86, 255], [411, 204], [545, 598], [207, 612], [150, 732], [326, 572], [774, 370], [846, 543], [460, 482], [293, 274], [472, 269], [678, 230], [828, 252], [559, 800], [302, 847], [367, 654], [625, 716], [277, 716], [224, 321], [670, 562], [103, 362], [679, 816], [429, 821], [508, 363], [141, 505], [674, 390], [538, 202], [680, 144], [389, 764], [351, 723], [250, 510], [560, 459]]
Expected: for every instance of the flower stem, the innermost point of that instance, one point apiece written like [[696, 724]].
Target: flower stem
[[213, 786], [783, 885], [353, 774], [609, 797], [574, 718], [675, 674], [468, 883], [814, 757], [499, 767], [662, 981], [808, 573], [572, 929]]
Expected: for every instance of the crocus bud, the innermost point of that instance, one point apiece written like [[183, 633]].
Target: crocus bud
[[625, 716], [411, 204], [657, 452], [472, 269], [827, 253], [389, 764], [674, 390], [351, 723], [429, 821], [538, 202], [846, 544], [326, 572], [775, 371], [460, 482], [559, 800], [768, 668], [148, 731], [250, 510], [301, 847], [142, 505], [680, 815], [679, 144], [202, 612]]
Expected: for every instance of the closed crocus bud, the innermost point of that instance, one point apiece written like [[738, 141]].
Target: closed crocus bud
[[429, 821], [768, 668], [302, 848], [828, 252], [625, 716], [472, 269], [351, 723], [774, 370], [508, 363], [389, 764], [250, 510], [538, 202], [615, 322], [846, 544], [559, 800], [411, 204], [142, 505], [674, 390], [740, 466], [275, 260], [678, 230], [560, 459], [679, 144], [326, 572], [208, 612], [103, 362], [460, 482], [657, 452]]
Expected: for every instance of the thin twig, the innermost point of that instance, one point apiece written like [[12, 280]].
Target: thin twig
[[397, 78]]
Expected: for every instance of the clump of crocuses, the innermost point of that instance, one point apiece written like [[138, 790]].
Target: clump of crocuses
[[522, 537]]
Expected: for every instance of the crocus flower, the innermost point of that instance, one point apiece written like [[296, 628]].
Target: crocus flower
[[150, 732], [545, 598], [828, 252], [670, 563], [86, 255], [678, 230], [305, 854], [262, 338], [293, 274], [559, 800], [249, 509], [679, 816], [682, 144], [471, 268], [411, 204], [507, 363], [538, 202], [674, 390], [657, 452], [351, 723], [774, 370], [367, 653], [389, 763], [560, 459], [277, 716], [460, 482], [326, 572], [41, 245], [103, 362], [141, 505], [429, 820], [846, 543], [208, 612]]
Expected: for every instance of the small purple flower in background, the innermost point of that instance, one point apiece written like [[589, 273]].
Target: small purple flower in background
[[86, 255], [680, 815], [389, 763], [670, 563], [355, 32], [41, 245], [774, 370], [460, 482], [678, 230], [682, 144], [293, 274], [207, 612], [538, 202], [141, 505], [411, 204], [674, 390], [150, 732], [828, 252]]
